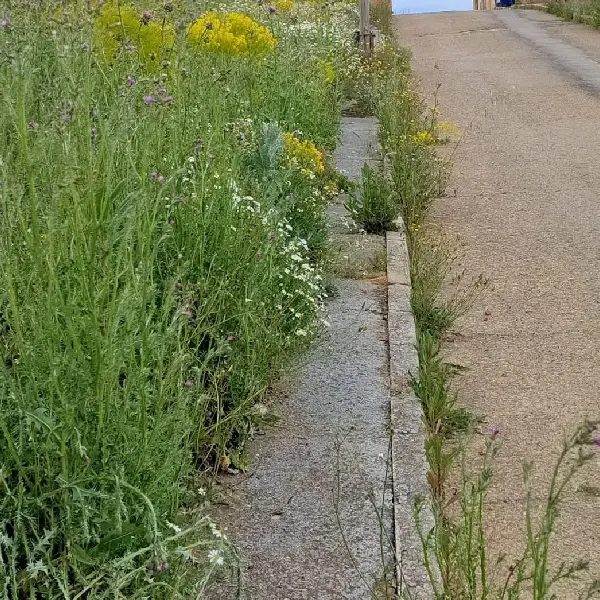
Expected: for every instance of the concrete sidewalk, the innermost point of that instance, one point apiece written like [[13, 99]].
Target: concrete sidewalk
[[318, 515]]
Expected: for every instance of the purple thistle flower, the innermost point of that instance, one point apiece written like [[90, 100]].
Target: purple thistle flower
[[130, 48], [85, 46], [148, 99], [66, 118], [171, 222], [493, 430], [131, 81], [162, 91], [169, 100], [229, 338], [272, 9], [5, 23], [146, 17], [597, 442], [188, 383]]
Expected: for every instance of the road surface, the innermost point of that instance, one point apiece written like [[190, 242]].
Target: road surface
[[524, 198]]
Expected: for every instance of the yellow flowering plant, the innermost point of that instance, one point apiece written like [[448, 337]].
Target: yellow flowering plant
[[119, 27], [232, 34], [423, 138], [284, 5], [303, 154], [446, 130]]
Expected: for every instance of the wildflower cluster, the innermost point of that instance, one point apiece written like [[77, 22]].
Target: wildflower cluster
[[303, 154], [299, 281], [422, 138], [200, 291], [119, 28], [363, 76], [283, 5], [232, 34], [244, 134], [445, 130]]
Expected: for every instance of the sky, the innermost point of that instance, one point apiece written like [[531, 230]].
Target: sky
[[421, 6]]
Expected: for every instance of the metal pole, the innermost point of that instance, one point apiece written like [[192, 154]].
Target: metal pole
[[365, 27]]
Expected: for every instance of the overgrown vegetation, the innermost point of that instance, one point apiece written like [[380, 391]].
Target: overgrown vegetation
[[162, 184], [586, 11]]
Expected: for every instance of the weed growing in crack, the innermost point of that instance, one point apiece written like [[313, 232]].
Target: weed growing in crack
[[459, 542], [440, 295], [373, 207]]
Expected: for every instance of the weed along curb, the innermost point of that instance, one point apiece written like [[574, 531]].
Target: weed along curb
[[408, 435]]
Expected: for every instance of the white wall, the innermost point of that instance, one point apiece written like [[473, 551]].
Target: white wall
[[423, 6]]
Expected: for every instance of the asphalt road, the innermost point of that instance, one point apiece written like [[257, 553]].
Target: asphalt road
[[524, 198]]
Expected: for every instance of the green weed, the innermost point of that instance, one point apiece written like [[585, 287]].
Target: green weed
[[440, 294], [381, 16], [459, 541], [374, 207]]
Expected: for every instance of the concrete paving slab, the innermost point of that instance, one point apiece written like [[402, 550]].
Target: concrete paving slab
[[306, 519]]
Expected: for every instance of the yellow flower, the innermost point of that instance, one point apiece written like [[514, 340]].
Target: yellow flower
[[119, 27], [446, 129], [328, 71], [423, 138], [233, 34], [283, 5], [303, 154]]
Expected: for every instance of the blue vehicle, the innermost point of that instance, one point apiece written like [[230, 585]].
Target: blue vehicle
[[505, 3]]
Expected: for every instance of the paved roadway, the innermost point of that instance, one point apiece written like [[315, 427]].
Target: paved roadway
[[525, 199]]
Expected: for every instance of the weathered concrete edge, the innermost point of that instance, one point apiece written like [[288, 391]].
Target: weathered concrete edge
[[409, 464]]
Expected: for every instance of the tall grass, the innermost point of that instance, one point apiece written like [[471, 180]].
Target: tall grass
[[159, 262], [587, 11]]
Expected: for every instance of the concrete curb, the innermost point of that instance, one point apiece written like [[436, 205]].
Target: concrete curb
[[409, 466], [408, 433]]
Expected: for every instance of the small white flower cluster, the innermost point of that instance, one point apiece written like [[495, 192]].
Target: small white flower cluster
[[215, 557], [244, 134], [313, 33], [300, 283]]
